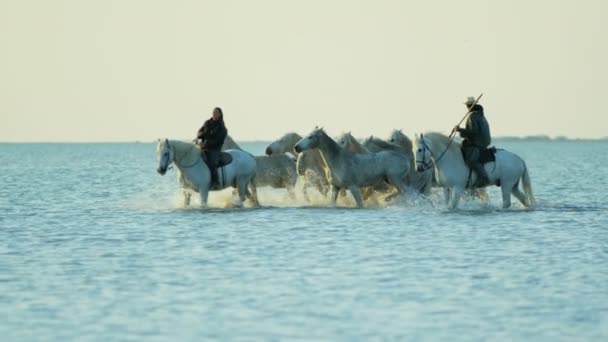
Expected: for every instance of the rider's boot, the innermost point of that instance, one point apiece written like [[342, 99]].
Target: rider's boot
[[482, 176]]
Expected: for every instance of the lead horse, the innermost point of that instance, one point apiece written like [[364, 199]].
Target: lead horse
[[435, 150], [347, 170], [194, 174]]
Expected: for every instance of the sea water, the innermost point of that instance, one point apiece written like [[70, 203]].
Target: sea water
[[95, 245]]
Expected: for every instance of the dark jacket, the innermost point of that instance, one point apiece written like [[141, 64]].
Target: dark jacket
[[212, 135], [477, 130]]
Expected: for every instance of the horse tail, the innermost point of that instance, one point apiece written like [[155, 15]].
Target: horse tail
[[527, 184]]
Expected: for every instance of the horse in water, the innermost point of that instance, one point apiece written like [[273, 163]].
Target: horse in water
[[194, 174], [421, 181], [348, 170], [277, 171], [507, 170], [349, 142], [309, 164]]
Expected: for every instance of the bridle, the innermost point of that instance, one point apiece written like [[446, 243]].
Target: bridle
[[425, 165], [433, 160]]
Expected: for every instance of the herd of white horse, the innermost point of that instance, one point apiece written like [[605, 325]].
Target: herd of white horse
[[393, 167]]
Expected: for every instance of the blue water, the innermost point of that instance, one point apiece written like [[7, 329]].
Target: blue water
[[94, 245]]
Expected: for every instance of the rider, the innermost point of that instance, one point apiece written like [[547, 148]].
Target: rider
[[476, 136], [210, 138]]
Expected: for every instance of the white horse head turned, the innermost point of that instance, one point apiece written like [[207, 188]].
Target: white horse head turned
[[398, 138], [347, 141], [311, 141], [284, 144]]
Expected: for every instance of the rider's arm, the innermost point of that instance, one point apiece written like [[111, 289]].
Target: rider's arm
[[471, 129]]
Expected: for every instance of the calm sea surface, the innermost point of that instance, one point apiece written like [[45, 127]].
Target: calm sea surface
[[95, 245]]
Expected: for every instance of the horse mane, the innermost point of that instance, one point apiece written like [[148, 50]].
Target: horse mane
[[185, 152], [383, 144], [229, 143], [355, 145], [441, 138], [408, 144], [293, 134]]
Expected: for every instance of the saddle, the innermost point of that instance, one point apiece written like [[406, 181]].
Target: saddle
[[225, 159], [487, 155]]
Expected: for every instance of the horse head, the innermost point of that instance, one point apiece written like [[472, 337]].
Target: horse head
[[285, 144], [311, 141], [165, 155], [422, 153]]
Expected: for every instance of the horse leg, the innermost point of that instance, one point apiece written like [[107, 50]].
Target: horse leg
[[357, 195], [252, 193], [334, 194], [447, 193], [204, 196], [305, 187], [519, 195], [506, 196], [242, 188], [187, 196], [456, 194], [399, 184], [291, 191]]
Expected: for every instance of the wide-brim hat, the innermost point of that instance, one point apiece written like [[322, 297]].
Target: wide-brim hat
[[470, 100]]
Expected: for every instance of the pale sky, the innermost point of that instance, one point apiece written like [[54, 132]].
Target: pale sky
[[124, 70]]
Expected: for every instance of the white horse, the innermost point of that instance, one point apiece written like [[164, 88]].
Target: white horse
[[454, 175], [421, 181], [349, 142], [347, 170], [194, 174], [277, 171], [309, 165]]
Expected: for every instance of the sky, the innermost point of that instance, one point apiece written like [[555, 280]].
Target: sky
[[126, 70]]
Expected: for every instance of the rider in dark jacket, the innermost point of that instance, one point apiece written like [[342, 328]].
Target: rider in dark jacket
[[210, 138], [476, 136]]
